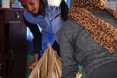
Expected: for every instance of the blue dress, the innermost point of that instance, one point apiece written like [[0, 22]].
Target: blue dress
[[50, 24]]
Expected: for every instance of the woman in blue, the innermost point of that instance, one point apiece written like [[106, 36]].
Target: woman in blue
[[44, 21]]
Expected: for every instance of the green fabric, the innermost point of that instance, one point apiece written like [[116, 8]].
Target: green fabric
[[81, 71], [29, 60]]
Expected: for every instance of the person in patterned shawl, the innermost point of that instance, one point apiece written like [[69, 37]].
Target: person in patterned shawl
[[89, 38]]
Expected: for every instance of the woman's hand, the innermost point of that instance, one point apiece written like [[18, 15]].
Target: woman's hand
[[32, 65]]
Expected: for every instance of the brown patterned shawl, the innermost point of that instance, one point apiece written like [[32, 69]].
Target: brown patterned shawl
[[102, 32]]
